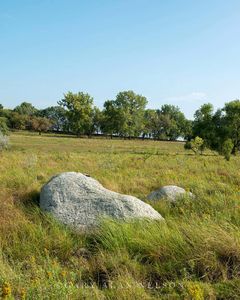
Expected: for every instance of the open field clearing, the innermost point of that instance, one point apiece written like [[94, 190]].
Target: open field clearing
[[193, 254]]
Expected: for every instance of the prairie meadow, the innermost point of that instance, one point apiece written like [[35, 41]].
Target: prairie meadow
[[193, 254]]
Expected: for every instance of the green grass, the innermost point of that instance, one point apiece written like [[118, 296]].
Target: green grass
[[193, 254]]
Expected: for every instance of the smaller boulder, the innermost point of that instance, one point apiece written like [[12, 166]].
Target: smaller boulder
[[169, 192]]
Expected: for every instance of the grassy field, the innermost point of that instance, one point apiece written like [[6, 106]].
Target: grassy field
[[194, 254]]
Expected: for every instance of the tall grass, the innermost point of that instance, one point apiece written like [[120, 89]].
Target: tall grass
[[193, 254]]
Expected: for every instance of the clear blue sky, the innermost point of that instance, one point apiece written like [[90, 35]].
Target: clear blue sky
[[184, 52]]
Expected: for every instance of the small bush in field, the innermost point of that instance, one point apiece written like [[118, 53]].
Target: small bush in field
[[227, 148], [4, 141], [197, 145]]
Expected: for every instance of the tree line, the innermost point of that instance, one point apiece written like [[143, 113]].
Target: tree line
[[127, 116]]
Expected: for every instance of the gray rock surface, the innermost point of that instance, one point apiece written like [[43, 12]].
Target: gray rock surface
[[170, 192], [81, 201]]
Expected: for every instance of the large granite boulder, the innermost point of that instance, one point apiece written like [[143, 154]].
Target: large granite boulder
[[81, 201], [169, 192]]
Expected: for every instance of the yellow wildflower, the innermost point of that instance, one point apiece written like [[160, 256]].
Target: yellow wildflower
[[63, 273], [6, 289], [195, 291], [32, 259]]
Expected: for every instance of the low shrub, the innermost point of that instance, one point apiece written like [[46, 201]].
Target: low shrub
[[197, 145], [227, 148]]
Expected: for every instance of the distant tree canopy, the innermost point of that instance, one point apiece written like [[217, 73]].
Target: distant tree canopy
[[231, 123], [203, 125], [79, 111], [217, 128], [177, 121], [124, 116], [57, 115], [112, 119], [127, 116], [158, 125], [131, 107], [18, 121], [97, 119], [25, 108], [40, 124], [167, 123]]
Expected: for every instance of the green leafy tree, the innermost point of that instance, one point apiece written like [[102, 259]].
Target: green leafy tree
[[161, 125], [97, 118], [203, 125], [217, 128], [18, 121], [79, 111], [167, 123], [231, 123], [1, 106], [217, 132], [5, 113], [177, 121], [149, 117], [131, 108], [188, 130], [25, 108], [112, 118]]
